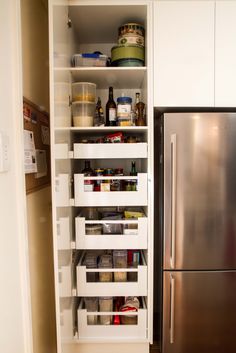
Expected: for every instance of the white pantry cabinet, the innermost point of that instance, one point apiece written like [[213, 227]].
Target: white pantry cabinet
[[184, 53], [86, 26], [225, 54]]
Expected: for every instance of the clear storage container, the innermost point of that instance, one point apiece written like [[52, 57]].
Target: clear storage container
[[90, 262], [83, 113], [93, 229], [105, 304], [91, 305], [84, 92], [105, 261], [89, 59], [120, 261]]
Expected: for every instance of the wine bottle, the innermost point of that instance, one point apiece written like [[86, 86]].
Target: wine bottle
[[110, 109]]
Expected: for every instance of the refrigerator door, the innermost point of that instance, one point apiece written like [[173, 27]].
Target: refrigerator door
[[199, 312], [200, 191]]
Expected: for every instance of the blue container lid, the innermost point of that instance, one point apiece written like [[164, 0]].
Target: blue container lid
[[124, 100]]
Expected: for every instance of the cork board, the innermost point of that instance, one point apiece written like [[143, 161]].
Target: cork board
[[38, 122]]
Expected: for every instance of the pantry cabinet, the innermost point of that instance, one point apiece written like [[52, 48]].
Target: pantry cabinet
[[225, 54], [88, 26], [184, 53]]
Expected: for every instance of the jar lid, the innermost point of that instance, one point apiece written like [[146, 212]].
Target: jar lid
[[124, 100]]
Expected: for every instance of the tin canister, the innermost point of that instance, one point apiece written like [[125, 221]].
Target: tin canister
[[131, 28], [131, 39]]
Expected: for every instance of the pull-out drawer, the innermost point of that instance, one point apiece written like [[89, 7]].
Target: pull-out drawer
[[136, 288], [101, 150], [123, 332], [111, 198], [137, 239]]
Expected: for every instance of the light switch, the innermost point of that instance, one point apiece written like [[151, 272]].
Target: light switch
[[4, 152]]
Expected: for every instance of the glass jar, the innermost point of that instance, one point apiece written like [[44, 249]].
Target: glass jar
[[124, 109]]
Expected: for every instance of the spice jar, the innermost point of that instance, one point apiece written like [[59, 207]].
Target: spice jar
[[105, 184], [116, 185], [97, 183]]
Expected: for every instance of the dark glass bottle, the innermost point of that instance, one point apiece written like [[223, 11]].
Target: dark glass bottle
[[111, 109], [133, 172], [99, 116], [88, 171]]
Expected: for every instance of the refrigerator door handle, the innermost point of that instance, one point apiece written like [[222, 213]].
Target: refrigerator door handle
[[172, 308], [173, 199]]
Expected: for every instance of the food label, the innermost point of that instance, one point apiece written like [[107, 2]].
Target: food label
[[123, 109], [112, 114]]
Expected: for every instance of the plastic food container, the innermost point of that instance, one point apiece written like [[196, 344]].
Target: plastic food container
[[105, 304], [105, 261], [131, 305], [90, 261], [84, 92], [83, 113], [62, 115], [93, 229], [61, 92], [120, 261], [91, 304], [89, 59]]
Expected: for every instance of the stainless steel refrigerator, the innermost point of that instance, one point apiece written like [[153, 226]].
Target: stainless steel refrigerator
[[199, 233]]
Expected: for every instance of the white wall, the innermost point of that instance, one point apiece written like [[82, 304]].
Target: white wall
[[15, 335], [35, 55]]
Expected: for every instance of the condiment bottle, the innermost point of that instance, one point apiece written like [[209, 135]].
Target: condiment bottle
[[110, 109], [133, 172], [99, 116], [139, 111]]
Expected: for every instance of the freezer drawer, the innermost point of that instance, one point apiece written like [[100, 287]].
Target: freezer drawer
[[199, 191], [199, 312]]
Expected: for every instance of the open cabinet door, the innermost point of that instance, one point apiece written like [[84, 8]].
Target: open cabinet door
[[15, 319]]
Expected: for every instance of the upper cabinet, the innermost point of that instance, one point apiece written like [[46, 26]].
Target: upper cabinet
[[184, 53], [225, 54]]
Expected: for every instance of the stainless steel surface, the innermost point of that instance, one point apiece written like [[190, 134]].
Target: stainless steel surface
[[173, 199], [204, 312], [204, 216], [172, 308]]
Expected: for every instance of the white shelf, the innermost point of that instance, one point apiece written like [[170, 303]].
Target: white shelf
[[62, 190], [123, 332], [112, 198], [111, 241], [118, 77], [138, 288]]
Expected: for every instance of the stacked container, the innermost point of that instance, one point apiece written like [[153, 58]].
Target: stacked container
[[83, 103]]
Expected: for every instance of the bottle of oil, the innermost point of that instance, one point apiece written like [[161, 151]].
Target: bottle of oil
[[139, 111], [111, 109]]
